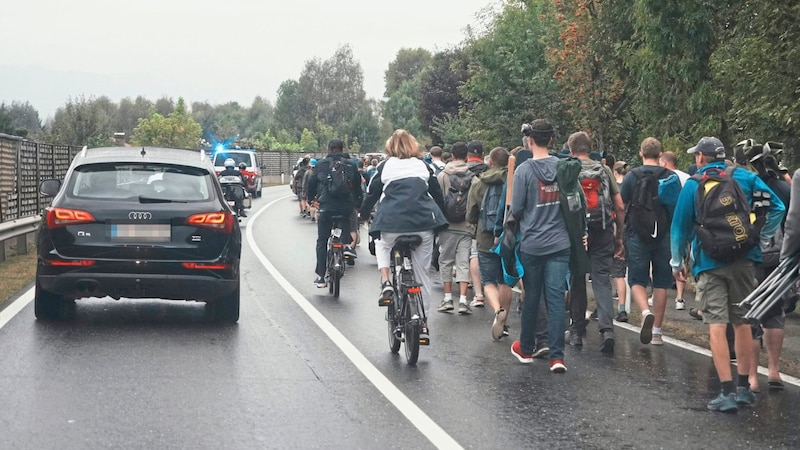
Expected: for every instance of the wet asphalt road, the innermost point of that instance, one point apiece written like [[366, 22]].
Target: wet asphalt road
[[156, 374]]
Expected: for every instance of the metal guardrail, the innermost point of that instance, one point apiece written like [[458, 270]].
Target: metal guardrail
[[17, 229]]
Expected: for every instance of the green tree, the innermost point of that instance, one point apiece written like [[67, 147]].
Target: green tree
[[752, 66], [509, 80], [128, 114], [438, 97], [81, 121], [288, 111], [307, 140], [407, 66], [24, 119], [178, 130], [401, 108]]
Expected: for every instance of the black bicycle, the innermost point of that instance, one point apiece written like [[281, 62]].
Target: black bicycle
[[335, 260], [406, 316]]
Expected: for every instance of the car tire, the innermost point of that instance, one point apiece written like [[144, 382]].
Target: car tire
[[226, 308], [47, 305]]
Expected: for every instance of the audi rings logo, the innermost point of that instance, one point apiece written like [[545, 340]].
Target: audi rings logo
[[140, 215]]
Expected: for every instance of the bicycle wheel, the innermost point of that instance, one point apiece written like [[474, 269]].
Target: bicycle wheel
[[412, 330], [391, 324]]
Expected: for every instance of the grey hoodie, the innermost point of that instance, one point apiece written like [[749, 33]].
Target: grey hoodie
[[535, 202]]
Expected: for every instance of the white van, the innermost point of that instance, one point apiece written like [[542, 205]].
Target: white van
[[253, 172]]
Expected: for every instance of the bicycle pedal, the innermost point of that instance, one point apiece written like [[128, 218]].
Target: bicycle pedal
[[424, 340]]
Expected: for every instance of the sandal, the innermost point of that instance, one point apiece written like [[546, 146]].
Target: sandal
[[775, 385], [695, 313]]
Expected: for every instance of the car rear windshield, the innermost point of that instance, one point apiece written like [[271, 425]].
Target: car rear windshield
[[237, 157], [134, 182]]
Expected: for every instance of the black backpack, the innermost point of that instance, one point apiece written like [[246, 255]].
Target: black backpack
[[724, 225], [455, 202], [338, 180], [490, 206], [645, 212]]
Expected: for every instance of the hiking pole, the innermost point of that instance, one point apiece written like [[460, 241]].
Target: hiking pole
[[779, 285], [769, 283], [767, 301]]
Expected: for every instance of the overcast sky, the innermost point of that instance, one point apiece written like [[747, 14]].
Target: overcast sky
[[216, 51]]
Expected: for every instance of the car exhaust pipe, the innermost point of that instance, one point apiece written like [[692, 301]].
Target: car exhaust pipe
[[86, 286]]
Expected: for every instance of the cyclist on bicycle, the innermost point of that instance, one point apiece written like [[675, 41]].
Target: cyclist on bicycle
[[337, 197], [411, 202]]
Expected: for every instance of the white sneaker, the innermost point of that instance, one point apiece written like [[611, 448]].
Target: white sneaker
[[680, 305], [650, 301], [477, 302], [656, 340]]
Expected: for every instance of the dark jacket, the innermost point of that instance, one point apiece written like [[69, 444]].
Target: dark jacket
[[408, 196], [317, 185], [232, 172]]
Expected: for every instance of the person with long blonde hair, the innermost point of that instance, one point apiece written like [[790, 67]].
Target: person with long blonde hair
[[409, 201]]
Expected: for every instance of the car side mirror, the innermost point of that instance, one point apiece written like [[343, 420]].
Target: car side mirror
[[263, 166], [50, 187]]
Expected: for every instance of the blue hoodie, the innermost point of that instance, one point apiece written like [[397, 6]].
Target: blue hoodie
[[685, 219]]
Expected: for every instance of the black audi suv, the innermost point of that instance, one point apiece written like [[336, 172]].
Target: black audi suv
[[137, 223]]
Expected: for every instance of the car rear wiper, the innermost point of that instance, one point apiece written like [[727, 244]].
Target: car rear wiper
[[145, 199]]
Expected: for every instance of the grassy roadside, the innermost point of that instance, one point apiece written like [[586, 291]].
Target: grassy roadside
[[16, 272]]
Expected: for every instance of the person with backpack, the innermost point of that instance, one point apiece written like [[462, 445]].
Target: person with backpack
[[477, 164], [436, 160], [455, 243], [716, 211], [649, 193], [482, 211], [544, 246], [604, 207], [297, 186], [336, 185]]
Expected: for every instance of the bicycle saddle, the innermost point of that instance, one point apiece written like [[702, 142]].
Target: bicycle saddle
[[408, 240]]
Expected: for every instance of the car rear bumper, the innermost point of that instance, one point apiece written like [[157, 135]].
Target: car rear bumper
[[169, 287]]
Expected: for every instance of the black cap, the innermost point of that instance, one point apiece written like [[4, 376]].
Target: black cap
[[709, 146], [475, 147], [336, 144]]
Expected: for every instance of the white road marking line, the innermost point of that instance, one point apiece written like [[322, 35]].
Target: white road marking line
[[409, 409], [16, 306], [704, 351]]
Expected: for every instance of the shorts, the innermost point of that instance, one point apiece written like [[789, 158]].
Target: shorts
[[642, 255], [719, 290], [354, 221], [491, 268], [618, 268], [473, 252]]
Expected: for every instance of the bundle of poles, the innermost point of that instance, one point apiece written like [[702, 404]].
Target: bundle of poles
[[771, 291]]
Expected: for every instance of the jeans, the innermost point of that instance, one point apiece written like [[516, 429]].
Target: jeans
[[324, 226], [601, 254], [544, 277]]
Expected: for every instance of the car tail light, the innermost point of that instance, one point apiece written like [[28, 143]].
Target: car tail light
[[204, 266], [61, 217], [70, 262], [220, 221]]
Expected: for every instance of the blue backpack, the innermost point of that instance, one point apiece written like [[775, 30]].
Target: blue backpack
[[490, 207]]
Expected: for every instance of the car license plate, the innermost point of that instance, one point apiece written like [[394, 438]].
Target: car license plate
[[124, 232]]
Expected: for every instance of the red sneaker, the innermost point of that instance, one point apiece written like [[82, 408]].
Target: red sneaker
[[558, 366], [516, 350]]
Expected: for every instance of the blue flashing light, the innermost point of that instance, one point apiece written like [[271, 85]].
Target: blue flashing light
[[220, 147]]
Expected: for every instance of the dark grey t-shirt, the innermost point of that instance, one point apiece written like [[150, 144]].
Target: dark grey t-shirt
[[536, 202]]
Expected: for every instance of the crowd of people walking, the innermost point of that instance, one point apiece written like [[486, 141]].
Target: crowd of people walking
[[553, 221]]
